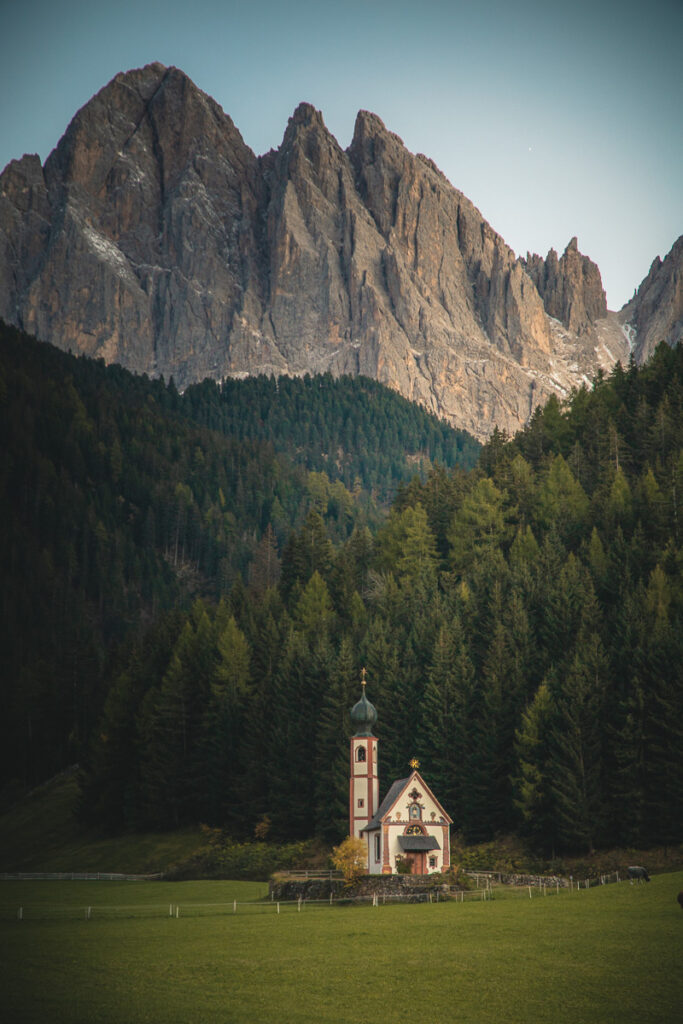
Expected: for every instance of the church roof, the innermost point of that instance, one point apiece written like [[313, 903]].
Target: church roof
[[387, 803], [392, 796]]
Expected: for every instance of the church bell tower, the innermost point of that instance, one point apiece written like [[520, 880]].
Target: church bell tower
[[364, 780]]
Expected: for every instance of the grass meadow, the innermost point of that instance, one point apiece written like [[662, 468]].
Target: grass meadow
[[609, 954]]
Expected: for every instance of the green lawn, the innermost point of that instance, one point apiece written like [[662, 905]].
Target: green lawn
[[610, 955]]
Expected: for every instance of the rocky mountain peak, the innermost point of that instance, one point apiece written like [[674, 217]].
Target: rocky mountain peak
[[155, 238], [307, 116], [368, 125], [655, 313], [571, 287]]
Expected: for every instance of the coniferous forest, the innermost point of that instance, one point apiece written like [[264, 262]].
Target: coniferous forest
[[193, 584]]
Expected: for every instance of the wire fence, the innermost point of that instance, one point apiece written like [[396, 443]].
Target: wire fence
[[111, 911], [489, 887], [75, 876], [114, 911], [545, 882]]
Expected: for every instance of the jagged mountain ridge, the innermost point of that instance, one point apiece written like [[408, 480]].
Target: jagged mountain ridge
[[655, 313], [154, 237]]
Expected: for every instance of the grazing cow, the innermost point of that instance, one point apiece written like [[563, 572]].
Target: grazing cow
[[637, 874], [680, 898]]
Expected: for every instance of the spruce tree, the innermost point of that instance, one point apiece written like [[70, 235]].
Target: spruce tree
[[332, 749], [532, 782]]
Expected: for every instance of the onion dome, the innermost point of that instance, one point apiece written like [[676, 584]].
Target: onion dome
[[363, 714]]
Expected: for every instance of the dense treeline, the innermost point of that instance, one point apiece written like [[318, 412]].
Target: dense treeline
[[351, 428], [521, 625], [119, 503]]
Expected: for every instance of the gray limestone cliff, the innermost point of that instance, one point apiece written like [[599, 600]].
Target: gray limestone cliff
[[655, 313], [155, 238], [571, 287]]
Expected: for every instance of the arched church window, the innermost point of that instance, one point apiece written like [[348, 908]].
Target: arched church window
[[415, 812], [360, 753]]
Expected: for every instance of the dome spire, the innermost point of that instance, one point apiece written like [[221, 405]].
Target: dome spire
[[363, 714]]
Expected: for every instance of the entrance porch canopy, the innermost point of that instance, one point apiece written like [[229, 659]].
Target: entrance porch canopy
[[413, 844]]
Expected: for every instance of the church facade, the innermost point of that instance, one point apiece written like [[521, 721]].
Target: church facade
[[409, 824]]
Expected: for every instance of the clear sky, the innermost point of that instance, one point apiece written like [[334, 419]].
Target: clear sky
[[555, 119]]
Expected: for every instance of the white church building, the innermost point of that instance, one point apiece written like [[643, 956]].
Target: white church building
[[409, 824]]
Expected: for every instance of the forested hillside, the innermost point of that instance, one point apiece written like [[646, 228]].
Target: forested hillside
[[521, 626], [120, 503], [186, 611], [351, 428]]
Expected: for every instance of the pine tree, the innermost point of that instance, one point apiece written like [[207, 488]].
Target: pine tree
[[222, 746], [301, 679], [442, 744], [480, 525], [332, 749], [576, 748], [534, 798], [383, 668], [264, 571], [660, 663]]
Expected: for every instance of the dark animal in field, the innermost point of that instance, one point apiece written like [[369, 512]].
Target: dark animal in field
[[680, 899], [637, 874]]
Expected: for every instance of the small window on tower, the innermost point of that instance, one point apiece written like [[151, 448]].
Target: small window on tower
[[361, 803], [377, 848], [360, 754], [432, 862]]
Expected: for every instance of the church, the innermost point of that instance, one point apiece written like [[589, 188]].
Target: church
[[409, 824]]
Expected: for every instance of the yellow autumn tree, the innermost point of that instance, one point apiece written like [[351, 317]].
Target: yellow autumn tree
[[351, 858]]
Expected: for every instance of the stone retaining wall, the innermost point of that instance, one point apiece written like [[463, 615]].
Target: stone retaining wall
[[283, 889], [503, 878]]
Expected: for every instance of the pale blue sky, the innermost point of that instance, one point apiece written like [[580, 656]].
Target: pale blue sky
[[556, 119]]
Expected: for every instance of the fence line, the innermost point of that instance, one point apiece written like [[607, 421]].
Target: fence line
[[42, 912], [75, 876], [232, 907], [541, 881], [329, 875], [502, 878]]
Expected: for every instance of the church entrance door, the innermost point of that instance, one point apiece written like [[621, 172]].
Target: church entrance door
[[417, 863]]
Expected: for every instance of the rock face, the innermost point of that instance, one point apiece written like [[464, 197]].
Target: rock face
[[136, 237], [155, 238], [655, 313], [571, 287]]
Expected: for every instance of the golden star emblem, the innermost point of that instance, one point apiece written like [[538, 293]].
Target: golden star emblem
[[414, 764]]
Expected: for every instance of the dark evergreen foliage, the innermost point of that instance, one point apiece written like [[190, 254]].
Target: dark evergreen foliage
[[521, 623], [353, 429], [521, 627]]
